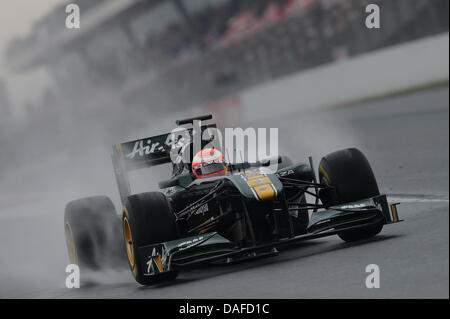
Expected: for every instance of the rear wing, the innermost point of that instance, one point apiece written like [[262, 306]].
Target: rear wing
[[147, 152], [138, 154]]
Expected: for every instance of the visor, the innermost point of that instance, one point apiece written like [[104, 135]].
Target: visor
[[209, 169]]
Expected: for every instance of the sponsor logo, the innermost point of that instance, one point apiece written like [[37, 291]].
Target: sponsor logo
[[285, 173], [353, 206], [157, 261], [202, 210], [199, 209], [141, 149], [190, 243]]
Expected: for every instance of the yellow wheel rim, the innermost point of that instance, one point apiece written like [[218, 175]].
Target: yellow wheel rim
[[128, 241], [71, 244]]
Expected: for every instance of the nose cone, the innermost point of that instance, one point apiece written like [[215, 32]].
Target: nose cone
[[257, 185]]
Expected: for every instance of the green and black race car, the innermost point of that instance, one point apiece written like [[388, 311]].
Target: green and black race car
[[214, 211]]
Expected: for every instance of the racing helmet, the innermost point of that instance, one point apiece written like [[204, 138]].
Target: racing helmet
[[208, 162]]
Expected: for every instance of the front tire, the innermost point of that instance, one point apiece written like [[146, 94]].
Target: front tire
[[147, 219], [349, 172]]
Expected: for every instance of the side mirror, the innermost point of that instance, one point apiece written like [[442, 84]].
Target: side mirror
[[182, 180], [241, 166], [267, 161], [168, 183]]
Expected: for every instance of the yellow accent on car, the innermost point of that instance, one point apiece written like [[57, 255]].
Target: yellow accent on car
[[128, 241], [205, 222], [205, 230], [261, 185], [125, 211], [158, 262], [265, 192], [257, 181], [394, 213], [133, 266], [71, 244], [324, 173], [252, 174]]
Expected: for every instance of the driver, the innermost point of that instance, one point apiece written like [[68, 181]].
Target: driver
[[208, 162]]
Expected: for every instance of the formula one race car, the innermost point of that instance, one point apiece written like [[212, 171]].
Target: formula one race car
[[211, 210]]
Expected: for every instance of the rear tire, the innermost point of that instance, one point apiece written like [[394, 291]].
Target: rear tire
[[349, 172], [147, 219], [93, 234]]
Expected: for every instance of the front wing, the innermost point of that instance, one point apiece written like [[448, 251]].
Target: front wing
[[209, 247]]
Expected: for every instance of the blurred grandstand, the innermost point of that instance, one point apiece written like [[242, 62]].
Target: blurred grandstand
[[171, 54], [162, 55]]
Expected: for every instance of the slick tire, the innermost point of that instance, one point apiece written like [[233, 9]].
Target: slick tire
[[93, 233], [349, 172], [147, 219]]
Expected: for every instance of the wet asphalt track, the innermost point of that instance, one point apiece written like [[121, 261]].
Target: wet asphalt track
[[406, 141]]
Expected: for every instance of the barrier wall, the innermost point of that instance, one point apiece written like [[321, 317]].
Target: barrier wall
[[377, 73]]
